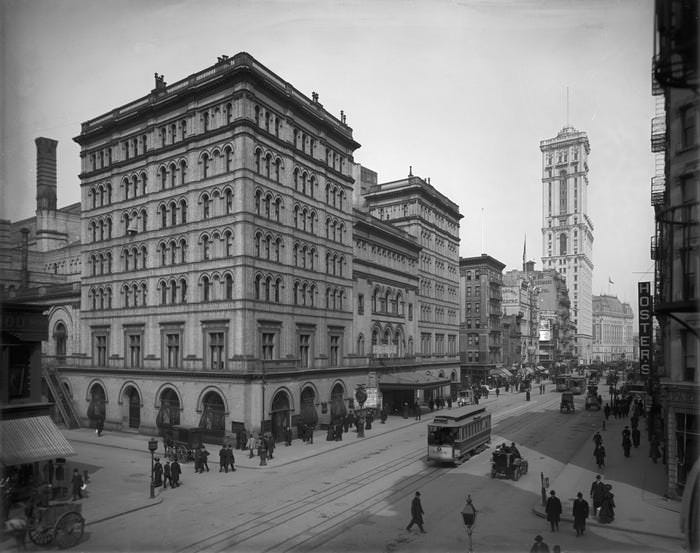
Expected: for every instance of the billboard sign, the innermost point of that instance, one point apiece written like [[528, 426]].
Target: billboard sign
[[545, 330]]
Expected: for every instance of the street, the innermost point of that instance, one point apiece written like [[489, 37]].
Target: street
[[357, 497]]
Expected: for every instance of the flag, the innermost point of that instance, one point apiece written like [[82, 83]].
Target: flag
[[524, 246], [610, 280]]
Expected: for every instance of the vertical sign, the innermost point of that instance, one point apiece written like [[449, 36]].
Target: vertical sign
[[645, 327]]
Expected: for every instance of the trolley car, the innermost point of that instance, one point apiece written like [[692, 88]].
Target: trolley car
[[455, 435], [570, 383]]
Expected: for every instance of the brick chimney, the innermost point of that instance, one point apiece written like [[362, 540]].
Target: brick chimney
[[45, 174]]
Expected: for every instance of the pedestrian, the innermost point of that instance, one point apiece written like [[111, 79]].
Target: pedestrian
[[654, 451], [242, 440], [597, 439], [597, 493], [539, 546], [223, 459], [157, 474], [634, 421], [77, 485], [230, 458], [167, 474], [553, 510], [270, 446], [100, 425], [175, 471], [251, 446], [606, 410], [288, 435], [416, 514], [498, 391], [262, 451], [607, 507], [626, 445], [599, 453], [198, 460], [205, 455], [636, 436], [580, 512]]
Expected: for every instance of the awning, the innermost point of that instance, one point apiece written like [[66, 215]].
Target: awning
[[500, 371], [30, 440], [411, 382]]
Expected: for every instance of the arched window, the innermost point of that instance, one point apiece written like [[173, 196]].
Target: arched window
[[258, 201], [228, 285], [183, 290], [205, 121], [183, 251], [228, 243], [257, 161], [183, 172], [229, 113], [258, 240], [205, 165], [205, 247], [163, 178], [228, 199], [163, 293], [144, 220], [163, 216], [278, 164], [183, 211], [206, 291], [268, 161], [258, 279], [205, 206], [173, 175], [173, 213]]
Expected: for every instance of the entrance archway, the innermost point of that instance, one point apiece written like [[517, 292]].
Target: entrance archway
[[338, 408], [213, 421], [96, 408], [169, 412], [279, 413], [133, 401]]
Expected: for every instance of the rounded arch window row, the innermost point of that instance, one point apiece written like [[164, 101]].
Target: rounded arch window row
[[100, 297], [335, 263], [172, 290], [69, 266], [216, 244], [216, 201], [266, 119], [134, 294], [304, 255], [268, 245], [305, 218], [335, 196], [335, 298], [305, 182], [172, 212], [268, 204], [216, 286], [388, 300], [100, 229], [173, 251], [335, 230], [268, 287], [217, 160], [100, 263], [134, 221], [135, 185], [268, 164], [100, 195]]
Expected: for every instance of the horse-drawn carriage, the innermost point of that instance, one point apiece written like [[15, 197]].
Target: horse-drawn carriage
[[181, 442], [592, 400], [507, 463], [567, 402], [59, 522]]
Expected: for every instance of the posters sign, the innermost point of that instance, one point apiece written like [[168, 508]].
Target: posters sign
[[645, 327]]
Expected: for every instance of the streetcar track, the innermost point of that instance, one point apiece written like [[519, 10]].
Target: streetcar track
[[256, 523]]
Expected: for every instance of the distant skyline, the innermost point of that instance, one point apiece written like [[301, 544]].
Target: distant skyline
[[461, 91]]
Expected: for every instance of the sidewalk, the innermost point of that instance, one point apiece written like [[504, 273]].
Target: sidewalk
[[637, 483]]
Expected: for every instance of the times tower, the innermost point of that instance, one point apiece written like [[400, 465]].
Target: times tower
[[567, 230]]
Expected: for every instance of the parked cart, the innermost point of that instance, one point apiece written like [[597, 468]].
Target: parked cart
[[181, 442], [59, 522]]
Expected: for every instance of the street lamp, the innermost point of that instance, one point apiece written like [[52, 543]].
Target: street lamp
[[152, 446], [469, 517]]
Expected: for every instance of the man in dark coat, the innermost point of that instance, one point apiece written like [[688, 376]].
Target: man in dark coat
[[167, 474], [288, 435], [416, 514], [270, 446], [230, 458], [606, 410], [580, 512], [205, 455], [599, 454], [539, 546], [77, 485], [198, 465], [223, 459], [157, 473], [597, 493], [553, 510], [626, 444], [175, 471], [636, 436], [262, 450]]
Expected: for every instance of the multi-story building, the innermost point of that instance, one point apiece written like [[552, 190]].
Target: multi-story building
[[675, 191], [521, 299], [567, 230], [613, 325], [417, 208], [480, 342], [219, 283], [556, 328]]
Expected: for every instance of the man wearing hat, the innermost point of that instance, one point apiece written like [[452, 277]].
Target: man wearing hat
[[539, 546], [553, 510], [597, 493], [416, 514]]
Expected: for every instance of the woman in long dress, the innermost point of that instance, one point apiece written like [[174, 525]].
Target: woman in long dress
[[607, 507]]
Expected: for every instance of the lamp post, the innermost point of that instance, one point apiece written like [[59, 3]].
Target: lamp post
[[152, 446], [469, 517]]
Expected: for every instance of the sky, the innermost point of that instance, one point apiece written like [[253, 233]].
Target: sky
[[461, 91]]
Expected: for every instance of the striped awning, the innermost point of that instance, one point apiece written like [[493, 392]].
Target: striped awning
[[30, 440]]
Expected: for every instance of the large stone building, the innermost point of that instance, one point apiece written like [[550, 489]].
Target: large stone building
[[567, 231], [613, 330], [480, 329], [675, 192], [234, 269], [521, 301]]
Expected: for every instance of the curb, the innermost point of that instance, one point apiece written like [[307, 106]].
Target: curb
[[537, 509], [158, 501]]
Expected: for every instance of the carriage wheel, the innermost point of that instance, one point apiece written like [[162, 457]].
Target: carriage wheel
[[41, 535], [182, 454], [69, 530], [516, 474]]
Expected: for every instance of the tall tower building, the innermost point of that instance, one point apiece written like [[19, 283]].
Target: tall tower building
[[567, 231]]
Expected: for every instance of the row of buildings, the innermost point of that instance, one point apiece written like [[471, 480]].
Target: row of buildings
[[229, 262]]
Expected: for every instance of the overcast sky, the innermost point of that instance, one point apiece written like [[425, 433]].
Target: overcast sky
[[463, 91]]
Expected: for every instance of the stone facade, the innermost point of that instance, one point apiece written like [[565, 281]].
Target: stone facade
[[612, 330]]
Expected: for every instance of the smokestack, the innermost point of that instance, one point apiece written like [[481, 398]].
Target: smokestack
[[45, 174]]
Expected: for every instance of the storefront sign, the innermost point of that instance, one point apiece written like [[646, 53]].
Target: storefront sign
[[372, 397], [645, 328]]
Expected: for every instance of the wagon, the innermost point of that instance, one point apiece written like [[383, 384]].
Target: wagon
[[181, 442], [60, 522], [567, 402], [507, 465]]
